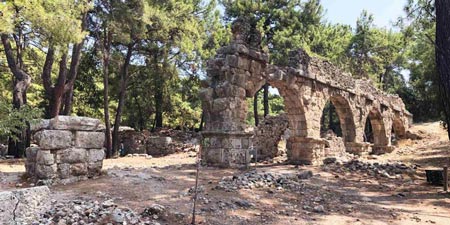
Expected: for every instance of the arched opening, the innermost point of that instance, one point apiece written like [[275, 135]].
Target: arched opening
[[398, 127], [337, 125], [329, 123], [374, 131], [337, 117], [266, 115]]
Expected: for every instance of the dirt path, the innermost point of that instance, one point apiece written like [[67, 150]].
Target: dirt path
[[330, 196]]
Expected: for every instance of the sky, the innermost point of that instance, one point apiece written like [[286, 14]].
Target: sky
[[347, 11]]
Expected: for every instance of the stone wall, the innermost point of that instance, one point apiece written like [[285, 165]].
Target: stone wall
[[268, 134], [68, 149]]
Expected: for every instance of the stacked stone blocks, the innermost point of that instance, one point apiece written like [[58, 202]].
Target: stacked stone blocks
[[68, 149]]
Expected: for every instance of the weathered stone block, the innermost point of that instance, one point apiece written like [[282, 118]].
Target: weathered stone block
[[71, 155], [54, 139], [95, 155], [78, 169], [85, 139], [64, 170], [38, 125], [31, 153], [74, 123], [23, 206], [44, 157], [46, 171]]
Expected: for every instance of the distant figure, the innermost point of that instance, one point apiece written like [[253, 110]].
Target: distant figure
[[122, 149]]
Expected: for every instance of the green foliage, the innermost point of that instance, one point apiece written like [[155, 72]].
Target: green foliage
[[15, 120], [276, 107]]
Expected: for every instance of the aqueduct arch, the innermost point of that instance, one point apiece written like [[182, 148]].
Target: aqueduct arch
[[306, 84]]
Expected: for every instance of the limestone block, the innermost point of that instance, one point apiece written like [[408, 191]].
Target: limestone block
[[78, 169], [74, 123], [95, 155], [38, 125], [54, 139], [46, 171], [44, 157], [23, 206], [31, 153], [30, 168], [71, 155], [64, 170], [85, 139]]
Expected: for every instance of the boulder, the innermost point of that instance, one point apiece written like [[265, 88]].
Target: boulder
[[23, 206]]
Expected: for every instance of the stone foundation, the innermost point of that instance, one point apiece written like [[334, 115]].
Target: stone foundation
[[226, 149], [69, 149]]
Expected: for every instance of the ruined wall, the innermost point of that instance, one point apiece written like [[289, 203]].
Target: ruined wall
[[268, 134], [68, 149]]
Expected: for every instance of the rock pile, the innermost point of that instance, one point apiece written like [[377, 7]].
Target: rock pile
[[69, 149], [334, 145], [388, 170], [268, 134], [160, 143], [81, 211], [255, 179]]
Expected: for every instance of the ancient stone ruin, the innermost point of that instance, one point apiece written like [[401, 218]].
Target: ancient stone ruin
[[306, 84], [268, 135], [68, 149]]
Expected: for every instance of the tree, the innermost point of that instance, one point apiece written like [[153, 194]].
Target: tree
[[443, 55]]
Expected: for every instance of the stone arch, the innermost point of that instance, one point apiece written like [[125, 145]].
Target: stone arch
[[398, 126], [345, 114], [380, 137]]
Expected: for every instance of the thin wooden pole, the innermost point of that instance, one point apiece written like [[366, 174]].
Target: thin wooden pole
[[196, 185], [445, 173]]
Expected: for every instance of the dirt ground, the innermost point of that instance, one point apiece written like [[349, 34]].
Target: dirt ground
[[349, 197]]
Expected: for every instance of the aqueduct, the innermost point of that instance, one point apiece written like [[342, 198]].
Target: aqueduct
[[306, 84]]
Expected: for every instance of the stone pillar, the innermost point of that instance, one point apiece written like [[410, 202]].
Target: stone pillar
[[235, 74], [69, 149], [304, 150]]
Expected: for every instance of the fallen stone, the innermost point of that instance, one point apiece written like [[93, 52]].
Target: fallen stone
[[23, 206]]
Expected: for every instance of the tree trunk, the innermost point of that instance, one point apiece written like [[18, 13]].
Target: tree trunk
[[159, 98], [106, 55], [21, 81], [330, 117], [122, 95], [58, 90], [266, 99], [255, 108], [443, 54]]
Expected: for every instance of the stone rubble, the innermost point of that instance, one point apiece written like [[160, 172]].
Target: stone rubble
[[160, 143], [90, 212], [268, 134], [387, 170], [255, 179]]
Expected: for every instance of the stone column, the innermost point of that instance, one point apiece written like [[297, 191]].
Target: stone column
[[235, 74], [304, 150]]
